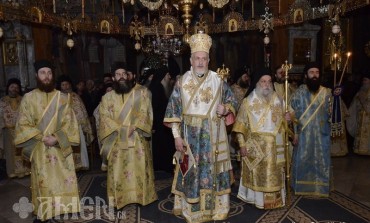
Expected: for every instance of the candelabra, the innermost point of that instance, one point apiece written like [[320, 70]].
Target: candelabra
[[167, 45], [163, 46]]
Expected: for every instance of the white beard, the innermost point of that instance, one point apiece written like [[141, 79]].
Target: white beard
[[264, 93]]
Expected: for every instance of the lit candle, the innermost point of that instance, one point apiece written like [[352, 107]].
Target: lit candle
[[279, 11], [348, 55], [345, 66], [54, 7], [335, 69]]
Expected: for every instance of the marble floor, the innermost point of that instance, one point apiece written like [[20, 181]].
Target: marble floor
[[351, 177]]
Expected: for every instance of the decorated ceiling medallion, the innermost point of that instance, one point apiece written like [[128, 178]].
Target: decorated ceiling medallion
[[152, 5], [218, 3]]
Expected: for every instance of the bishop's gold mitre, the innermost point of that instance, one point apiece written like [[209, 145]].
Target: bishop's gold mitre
[[200, 42]]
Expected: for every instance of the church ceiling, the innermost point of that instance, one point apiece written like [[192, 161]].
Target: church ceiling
[[178, 17]]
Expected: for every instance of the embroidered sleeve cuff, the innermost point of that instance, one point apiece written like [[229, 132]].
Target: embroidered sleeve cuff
[[241, 140], [176, 130]]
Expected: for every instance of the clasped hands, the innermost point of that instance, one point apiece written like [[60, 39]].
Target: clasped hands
[[49, 140], [222, 110]]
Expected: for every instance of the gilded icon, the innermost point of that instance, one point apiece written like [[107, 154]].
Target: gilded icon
[[169, 29], [104, 26], [233, 25], [10, 53], [36, 14], [298, 15]]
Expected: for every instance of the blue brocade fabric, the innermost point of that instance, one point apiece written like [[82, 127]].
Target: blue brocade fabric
[[311, 158]]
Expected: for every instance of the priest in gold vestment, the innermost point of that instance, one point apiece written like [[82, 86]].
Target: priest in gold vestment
[[260, 133], [80, 155], [279, 84], [46, 129], [359, 117], [126, 119], [279, 87], [241, 84], [16, 166]]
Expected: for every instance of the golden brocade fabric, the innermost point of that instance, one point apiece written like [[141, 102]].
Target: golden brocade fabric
[[239, 93], [80, 155], [16, 166], [259, 123], [280, 90], [260, 115], [82, 117], [130, 176], [255, 153], [9, 108], [53, 178], [359, 121], [266, 176]]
